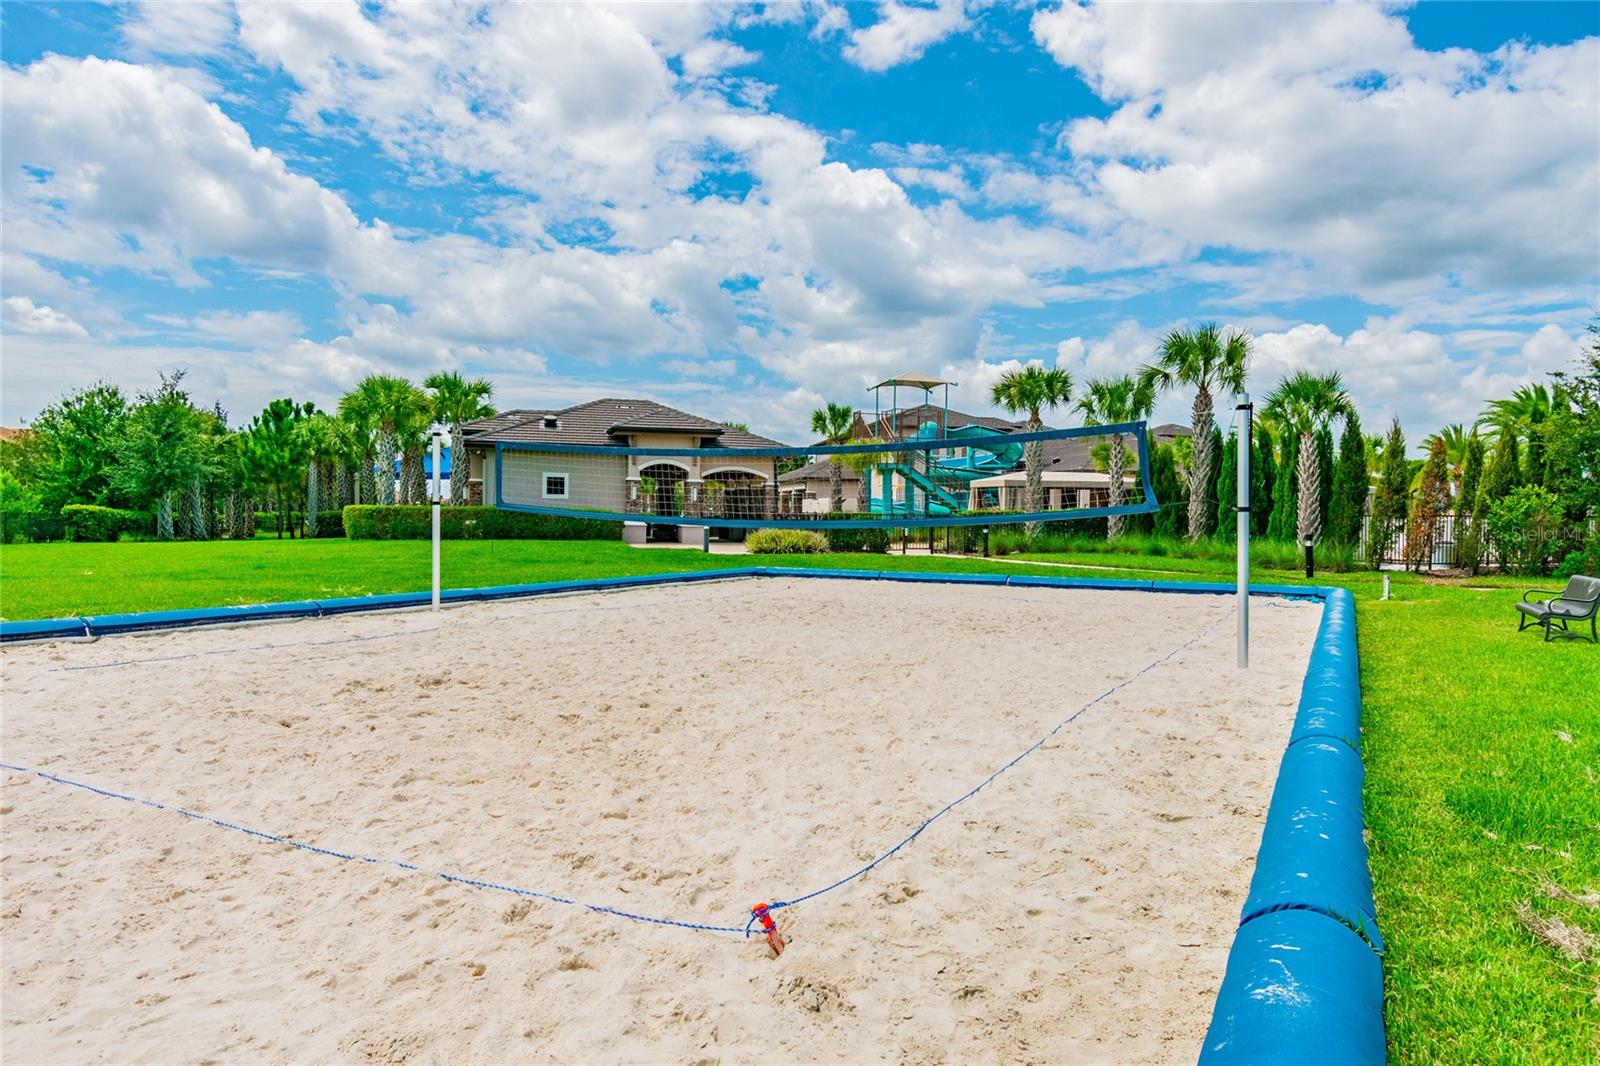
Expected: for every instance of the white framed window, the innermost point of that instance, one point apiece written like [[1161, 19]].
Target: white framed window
[[555, 486]]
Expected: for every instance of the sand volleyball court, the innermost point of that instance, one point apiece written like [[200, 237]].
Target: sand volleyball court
[[678, 751]]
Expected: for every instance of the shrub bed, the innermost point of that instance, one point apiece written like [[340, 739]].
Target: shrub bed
[[412, 522], [86, 521], [786, 542]]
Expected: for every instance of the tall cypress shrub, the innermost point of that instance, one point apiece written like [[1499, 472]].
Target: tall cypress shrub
[[1285, 520], [1349, 485], [1432, 499], [1469, 534], [1173, 518], [1210, 501], [1325, 472], [1501, 479], [1263, 478], [1389, 502], [1228, 490]]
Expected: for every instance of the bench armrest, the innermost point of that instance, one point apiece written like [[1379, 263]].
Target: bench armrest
[[1583, 608], [1528, 597]]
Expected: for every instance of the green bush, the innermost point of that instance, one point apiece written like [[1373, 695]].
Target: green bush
[[413, 522], [330, 524], [1525, 528], [85, 521], [786, 542], [1584, 560]]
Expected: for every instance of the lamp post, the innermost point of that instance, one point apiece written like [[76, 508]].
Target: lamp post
[[1311, 564]]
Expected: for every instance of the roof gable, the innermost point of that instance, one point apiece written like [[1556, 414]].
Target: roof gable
[[601, 422]]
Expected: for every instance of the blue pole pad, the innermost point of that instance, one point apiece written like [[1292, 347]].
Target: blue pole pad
[[1313, 855], [1299, 988], [107, 624], [44, 629]]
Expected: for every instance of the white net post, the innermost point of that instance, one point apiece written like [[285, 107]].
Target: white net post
[[435, 502], [1242, 516]]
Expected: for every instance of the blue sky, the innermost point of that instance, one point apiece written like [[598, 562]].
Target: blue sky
[[744, 210]]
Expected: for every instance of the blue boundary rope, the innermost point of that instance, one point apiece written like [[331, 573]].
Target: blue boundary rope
[[369, 859], [598, 908], [1029, 750]]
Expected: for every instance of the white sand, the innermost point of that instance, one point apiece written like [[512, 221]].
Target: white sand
[[681, 751]]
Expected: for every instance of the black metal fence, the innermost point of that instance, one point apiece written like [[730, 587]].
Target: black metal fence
[[1446, 550], [1455, 541]]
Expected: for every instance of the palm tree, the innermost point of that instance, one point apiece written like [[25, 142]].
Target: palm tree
[[457, 401], [834, 423], [1206, 359], [1032, 389], [1523, 416], [329, 445], [1109, 400], [391, 407], [862, 463], [1528, 406], [1305, 403]]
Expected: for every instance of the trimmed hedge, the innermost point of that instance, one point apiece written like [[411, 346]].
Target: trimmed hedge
[[857, 540], [86, 521], [412, 522], [330, 523], [786, 542]]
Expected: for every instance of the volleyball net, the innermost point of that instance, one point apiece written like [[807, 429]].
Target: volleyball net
[[969, 476]]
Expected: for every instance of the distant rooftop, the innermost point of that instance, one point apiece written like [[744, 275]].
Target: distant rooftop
[[601, 422]]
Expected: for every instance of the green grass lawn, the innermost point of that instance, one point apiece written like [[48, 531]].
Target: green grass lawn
[[1482, 746]]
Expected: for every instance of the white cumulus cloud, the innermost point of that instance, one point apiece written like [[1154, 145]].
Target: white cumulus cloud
[[24, 316], [903, 32]]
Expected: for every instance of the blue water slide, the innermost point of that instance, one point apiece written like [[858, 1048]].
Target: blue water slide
[[981, 460], [939, 501]]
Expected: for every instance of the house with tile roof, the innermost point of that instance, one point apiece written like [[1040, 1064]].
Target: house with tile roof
[[739, 487]]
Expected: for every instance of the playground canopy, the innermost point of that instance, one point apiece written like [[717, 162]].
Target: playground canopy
[[915, 381]]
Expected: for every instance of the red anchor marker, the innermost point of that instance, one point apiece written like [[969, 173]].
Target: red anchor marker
[[763, 915]]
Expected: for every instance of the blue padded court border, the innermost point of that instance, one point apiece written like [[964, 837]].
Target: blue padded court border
[[1303, 970]]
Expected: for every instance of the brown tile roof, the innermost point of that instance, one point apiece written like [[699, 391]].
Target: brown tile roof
[[909, 418], [819, 470], [600, 422]]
